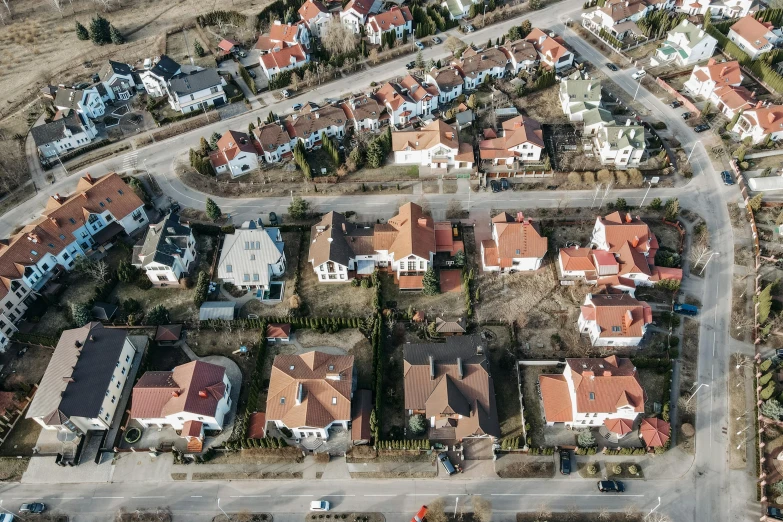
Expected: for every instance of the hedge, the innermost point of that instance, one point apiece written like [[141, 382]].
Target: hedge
[[625, 451], [420, 444], [256, 384], [31, 338]]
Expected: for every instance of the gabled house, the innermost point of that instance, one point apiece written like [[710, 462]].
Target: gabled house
[[408, 99], [340, 250], [761, 123], [435, 145], [68, 130], [310, 393], [753, 36], [273, 141], [521, 55], [551, 49], [595, 119], [196, 91], [167, 253], [620, 145], [730, 100], [706, 78], [591, 392], [448, 81], [686, 44], [522, 140], [315, 16], [397, 20], [85, 378], [451, 385], [354, 14], [477, 66], [156, 75], [285, 59], [717, 8], [84, 101], [614, 319], [251, 256], [312, 121], [578, 96], [365, 112], [619, 17], [120, 80], [235, 154], [227, 46], [458, 9], [516, 245], [284, 35]]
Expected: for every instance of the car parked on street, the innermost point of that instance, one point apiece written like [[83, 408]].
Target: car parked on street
[[447, 465], [468, 28], [319, 505], [419, 516], [33, 507], [610, 486], [675, 104], [727, 179], [286, 93], [639, 74], [419, 45], [775, 513], [565, 462], [701, 127], [436, 40], [296, 106], [686, 115], [410, 65], [612, 67]]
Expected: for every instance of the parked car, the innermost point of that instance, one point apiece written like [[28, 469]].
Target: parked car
[[565, 462], [319, 505], [612, 67], [447, 465], [495, 186], [639, 74], [701, 127], [33, 507], [419, 516], [174, 207], [419, 45], [686, 115], [436, 40], [727, 179], [410, 65], [286, 93], [610, 486], [296, 106], [775, 513], [686, 309], [504, 184], [252, 73], [675, 104], [469, 28], [82, 85]]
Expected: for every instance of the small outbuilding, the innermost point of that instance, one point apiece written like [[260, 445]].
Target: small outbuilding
[[168, 333], [278, 332], [222, 310], [361, 409]]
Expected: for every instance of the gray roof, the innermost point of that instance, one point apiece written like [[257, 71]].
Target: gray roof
[[465, 347], [103, 311], [77, 376], [582, 90], [216, 310], [119, 68], [55, 130], [166, 68], [622, 136], [197, 81], [329, 239], [163, 242], [69, 98], [250, 250], [597, 115]]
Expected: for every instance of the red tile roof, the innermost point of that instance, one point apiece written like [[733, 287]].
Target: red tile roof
[[517, 239], [278, 331], [620, 230], [577, 259], [619, 426], [408, 282], [195, 387], [310, 9], [617, 315], [655, 432], [361, 409], [168, 332], [604, 385], [752, 31], [283, 33], [282, 58], [191, 428], [256, 426], [226, 45], [391, 19], [556, 399]]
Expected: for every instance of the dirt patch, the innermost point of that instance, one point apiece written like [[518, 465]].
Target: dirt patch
[[522, 466], [689, 354], [393, 474], [181, 50], [27, 368], [534, 416], [164, 358], [668, 236], [582, 469], [248, 475], [451, 304], [543, 105], [178, 301], [450, 281], [179, 476], [12, 469], [654, 383], [244, 516], [739, 416]]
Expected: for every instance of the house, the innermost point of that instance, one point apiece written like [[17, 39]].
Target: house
[[448, 81], [451, 385], [717, 8], [595, 119], [614, 320], [760, 123], [315, 16], [310, 393], [197, 91], [753, 36], [167, 334], [191, 398], [551, 49], [251, 256], [365, 112], [397, 20], [340, 250], [355, 12], [87, 102], [592, 391], [731, 100], [449, 328], [85, 379], [156, 75], [521, 55], [278, 332], [226, 46], [619, 17], [68, 130], [273, 142], [620, 145], [613, 231], [686, 44], [235, 154], [706, 78], [578, 96], [312, 121], [458, 9], [522, 140], [435, 145], [167, 253], [217, 311], [120, 81], [516, 245], [286, 35], [408, 99], [477, 66], [361, 411]]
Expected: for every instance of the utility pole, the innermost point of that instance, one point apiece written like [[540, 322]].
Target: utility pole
[[649, 186], [595, 195], [606, 193]]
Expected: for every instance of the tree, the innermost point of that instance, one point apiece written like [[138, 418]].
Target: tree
[[81, 314], [158, 315], [375, 155], [419, 61], [250, 128], [436, 511], [198, 49], [459, 260], [213, 211], [525, 28], [764, 300], [656, 204], [672, 209], [298, 208], [482, 509], [213, 140], [585, 439], [126, 272], [454, 45], [592, 469], [374, 424], [772, 409], [100, 31], [116, 36], [204, 147], [430, 282], [755, 202], [81, 32], [373, 57], [337, 38], [472, 102], [97, 271], [417, 423]]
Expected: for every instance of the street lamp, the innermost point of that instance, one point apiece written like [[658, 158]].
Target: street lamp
[[649, 186], [221, 509], [697, 391], [656, 507], [708, 262], [691, 153], [637, 88]]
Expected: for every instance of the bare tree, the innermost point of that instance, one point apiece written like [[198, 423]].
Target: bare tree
[[97, 271], [686, 404], [631, 512], [657, 517], [105, 3], [454, 45], [741, 321], [454, 209], [482, 509], [373, 57], [698, 251], [243, 516], [58, 4], [338, 38], [543, 511], [604, 513], [436, 511]]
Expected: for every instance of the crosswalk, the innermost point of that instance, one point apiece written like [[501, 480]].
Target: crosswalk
[[129, 161]]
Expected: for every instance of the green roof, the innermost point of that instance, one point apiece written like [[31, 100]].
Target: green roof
[[581, 90], [597, 115], [622, 136], [666, 50]]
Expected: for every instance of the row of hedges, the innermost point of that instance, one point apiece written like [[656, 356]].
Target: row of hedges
[[625, 451], [31, 338], [181, 116], [202, 287], [256, 387], [221, 17], [423, 444], [510, 443], [331, 324], [376, 339], [586, 451], [541, 451], [269, 442]]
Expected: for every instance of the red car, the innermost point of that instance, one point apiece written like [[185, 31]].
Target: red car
[[419, 517]]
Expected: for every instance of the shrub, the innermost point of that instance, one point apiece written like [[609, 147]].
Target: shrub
[[768, 392], [80, 314], [617, 469], [592, 469], [202, 287], [417, 423], [574, 178], [588, 177], [144, 282], [633, 470], [586, 439], [622, 177], [765, 365], [656, 204], [604, 176], [765, 378], [158, 315]]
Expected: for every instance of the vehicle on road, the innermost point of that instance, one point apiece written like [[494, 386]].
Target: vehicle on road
[[410, 65], [565, 462], [286, 93], [33, 507], [701, 127], [686, 309], [610, 486], [419, 516], [775, 513], [639, 74], [612, 67], [174, 207], [296, 106], [447, 465], [419, 45], [675, 104], [319, 505], [436, 40], [240, 53], [727, 179], [468, 28], [82, 85], [686, 115]]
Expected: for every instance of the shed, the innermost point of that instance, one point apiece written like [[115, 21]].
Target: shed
[[278, 332], [447, 328], [256, 426], [361, 409], [168, 333], [464, 119], [216, 310], [103, 311]]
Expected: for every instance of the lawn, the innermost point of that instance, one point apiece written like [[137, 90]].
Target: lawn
[[22, 439], [655, 384], [668, 236], [178, 301], [386, 173], [522, 466], [575, 515], [533, 412], [451, 304], [177, 49], [164, 358], [393, 404], [28, 368]]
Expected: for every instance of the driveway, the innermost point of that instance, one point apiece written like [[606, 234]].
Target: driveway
[[479, 448]]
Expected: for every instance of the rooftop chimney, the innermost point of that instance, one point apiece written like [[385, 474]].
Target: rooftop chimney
[[202, 394], [771, 116], [54, 221], [711, 62], [607, 373], [759, 104], [588, 373], [175, 393], [422, 221], [520, 217], [92, 337], [628, 218], [77, 344], [88, 177], [723, 70], [432, 368], [460, 373], [68, 379]]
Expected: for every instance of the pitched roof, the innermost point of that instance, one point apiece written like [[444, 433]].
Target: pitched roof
[[391, 19], [620, 230], [604, 385], [622, 9], [226, 45], [585, 91], [312, 389], [271, 136], [769, 118], [278, 331], [164, 242], [56, 129], [434, 133], [195, 387], [362, 108], [69, 98], [551, 47], [723, 73], [216, 310], [312, 120], [165, 67], [473, 62], [522, 130], [283, 57], [310, 9], [168, 332], [187, 84], [620, 426], [443, 326], [361, 409], [363, 7], [556, 398], [283, 32], [517, 239], [520, 51], [655, 432], [250, 249], [617, 315], [735, 98], [753, 31], [331, 239], [418, 90], [256, 427], [632, 261], [415, 233], [447, 78], [578, 259]]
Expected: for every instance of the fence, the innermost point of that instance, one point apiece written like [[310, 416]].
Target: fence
[[685, 101]]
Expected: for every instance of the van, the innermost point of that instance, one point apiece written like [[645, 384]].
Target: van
[[639, 74], [447, 465], [686, 309]]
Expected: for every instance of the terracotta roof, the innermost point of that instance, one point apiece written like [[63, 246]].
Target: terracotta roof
[[195, 387], [230, 145], [312, 389], [361, 409], [655, 432], [168, 332], [271, 136], [632, 261], [617, 315], [411, 282], [725, 73], [552, 48], [770, 118], [619, 426], [278, 331], [443, 326], [265, 43], [415, 233], [360, 6], [517, 239], [391, 94], [282, 58], [603, 385], [556, 399], [310, 9], [668, 273], [435, 133], [256, 426], [283, 33], [418, 90], [752, 31], [444, 237], [226, 45], [192, 428], [311, 120], [522, 130], [394, 17], [575, 258], [735, 98], [622, 229]]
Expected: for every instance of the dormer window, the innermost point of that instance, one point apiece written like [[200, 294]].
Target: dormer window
[[592, 396], [334, 400], [282, 400], [615, 329], [33, 252]]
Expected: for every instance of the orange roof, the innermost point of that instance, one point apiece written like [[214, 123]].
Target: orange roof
[[394, 17], [230, 145], [725, 73], [619, 426], [735, 98], [278, 331], [770, 118], [551, 48], [256, 426], [226, 45], [191, 428], [415, 233], [604, 385], [655, 432], [444, 237], [360, 6], [517, 239], [668, 273], [523, 130], [620, 230], [752, 31], [576, 258], [617, 315], [311, 9], [282, 58], [408, 282], [556, 398], [416, 89], [283, 32], [632, 261]]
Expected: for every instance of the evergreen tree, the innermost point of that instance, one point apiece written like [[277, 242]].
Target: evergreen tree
[[525, 28], [198, 49], [116, 36], [298, 208], [213, 211], [158, 315], [374, 154], [250, 128], [204, 146], [213, 140], [430, 282], [100, 31], [126, 272], [80, 313], [81, 32]]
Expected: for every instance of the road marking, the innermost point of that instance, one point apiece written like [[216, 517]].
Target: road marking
[[160, 497], [560, 495], [67, 498], [389, 495], [195, 496], [105, 497], [296, 495], [340, 495], [249, 496], [421, 494]]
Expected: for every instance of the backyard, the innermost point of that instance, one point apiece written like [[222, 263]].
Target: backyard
[[448, 304], [502, 360], [292, 240], [179, 46]]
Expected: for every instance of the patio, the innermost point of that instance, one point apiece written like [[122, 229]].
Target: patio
[[338, 443]]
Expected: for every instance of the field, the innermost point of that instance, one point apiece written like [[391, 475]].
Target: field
[[179, 51], [543, 105], [452, 304]]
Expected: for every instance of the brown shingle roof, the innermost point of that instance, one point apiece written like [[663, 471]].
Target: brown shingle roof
[[447, 78], [415, 233], [434, 133], [271, 136], [361, 408], [474, 62], [195, 387], [168, 332], [362, 108], [278, 331], [520, 50], [310, 121]]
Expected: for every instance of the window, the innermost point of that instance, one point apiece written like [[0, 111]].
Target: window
[[592, 396], [73, 221], [62, 236], [66, 256], [44, 266], [615, 329], [411, 265], [8, 305], [112, 378], [123, 371], [246, 277], [137, 215], [118, 364], [102, 204], [33, 252], [118, 385], [256, 277], [127, 358], [93, 217], [113, 398], [51, 245], [252, 257], [282, 400], [106, 417], [229, 268], [108, 200], [107, 393]]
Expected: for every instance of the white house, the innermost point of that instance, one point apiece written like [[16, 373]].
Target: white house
[[85, 101], [284, 35], [593, 120], [196, 91], [522, 141], [397, 20], [578, 96], [156, 75], [706, 78], [686, 44], [761, 123], [448, 81], [408, 99], [458, 9], [315, 15], [120, 81], [477, 66], [435, 145], [730, 100], [620, 145], [354, 14], [516, 245], [551, 49], [168, 252], [285, 59], [521, 54], [85, 379], [68, 130], [717, 8], [310, 393], [591, 392], [252, 256], [191, 398], [275, 142], [614, 319], [312, 121], [365, 113], [754, 37], [235, 154], [619, 17]]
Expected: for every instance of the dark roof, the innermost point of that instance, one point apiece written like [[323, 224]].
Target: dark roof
[[55, 130], [103, 311], [101, 89], [69, 98], [465, 347], [120, 68], [333, 239], [190, 83], [168, 332], [166, 68], [256, 426], [163, 241]]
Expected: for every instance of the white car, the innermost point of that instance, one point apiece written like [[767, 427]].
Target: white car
[[639, 74], [319, 505], [419, 45], [285, 93]]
